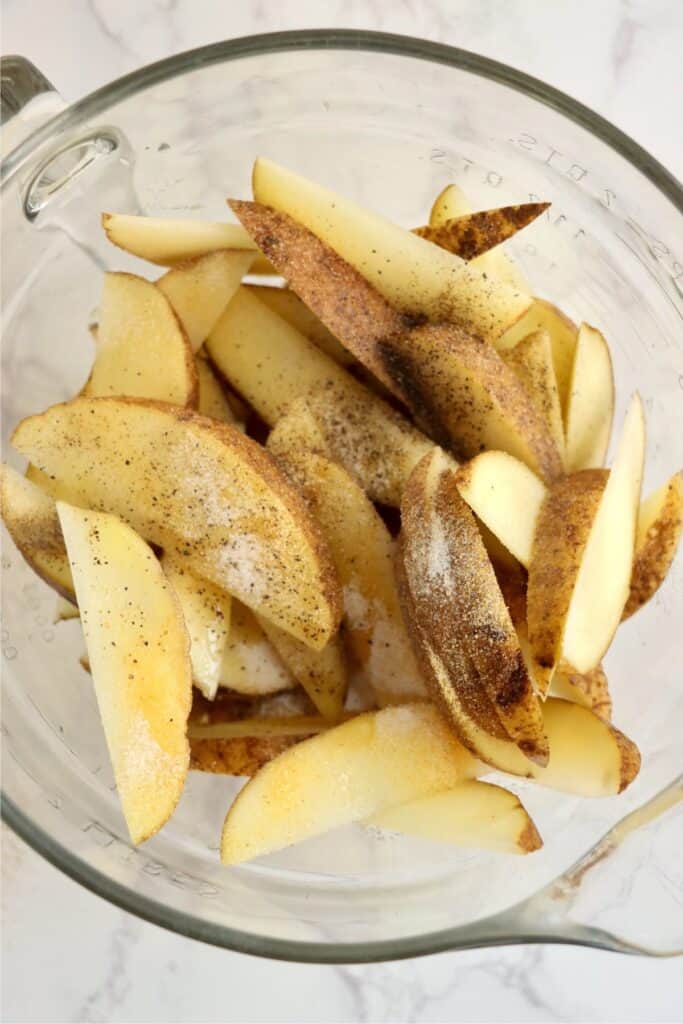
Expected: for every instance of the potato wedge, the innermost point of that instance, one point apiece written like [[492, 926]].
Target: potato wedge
[[238, 755], [363, 553], [506, 496], [660, 524], [250, 664], [289, 307], [169, 241], [273, 365], [543, 316], [458, 608], [457, 387], [200, 289], [473, 234], [206, 613], [563, 527], [31, 518], [590, 401], [198, 488], [367, 764], [65, 610], [532, 361], [591, 690], [321, 673], [603, 581], [212, 400], [414, 276], [472, 814], [138, 650], [452, 202], [142, 350]]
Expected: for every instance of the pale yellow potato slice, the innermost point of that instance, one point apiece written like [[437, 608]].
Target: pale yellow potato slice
[[65, 610], [272, 365], [456, 386], [457, 607], [321, 673], [543, 316], [472, 814], [142, 350], [590, 401], [563, 527], [199, 488], [212, 399], [532, 361], [138, 649], [604, 577], [506, 496], [251, 665], [289, 306], [416, 277], [200, 289], [206, 611], [31, 518], [344, 775], [472, 234], [660, 524]]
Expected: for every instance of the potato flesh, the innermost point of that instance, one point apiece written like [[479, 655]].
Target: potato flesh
[[289, 307], [660, 524], [169, 241], [321, 673], [541, 316], [532, 361], [590, 401], [250, 664], [212, 399]]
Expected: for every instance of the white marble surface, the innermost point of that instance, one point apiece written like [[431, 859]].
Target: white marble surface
[[68, 956]]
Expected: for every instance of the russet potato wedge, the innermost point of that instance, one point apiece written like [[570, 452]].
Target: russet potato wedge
[[452, 202], [168, 242], [200, 289], [660, 524], [603, 581], [30, 516], [198, 488], [239, 755], [472, 814], [457, 387], [543, 316], [363, 553], [457, 606], [344, 775], [251, 665], [212, 400], [273, 365], [590, 401], [206, 612], [289, 307], [138, 649], [563, 527], [472, 234], [417, 278], [142, 350], [321, 673], [532, 361], [591, 690], [507, 497]]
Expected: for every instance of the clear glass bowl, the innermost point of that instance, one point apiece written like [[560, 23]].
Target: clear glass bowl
[[390, 121]]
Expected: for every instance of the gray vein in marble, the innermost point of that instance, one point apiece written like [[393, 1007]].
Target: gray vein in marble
[[113, 989]]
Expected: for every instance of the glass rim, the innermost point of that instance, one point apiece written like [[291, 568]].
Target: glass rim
[[491, 931]]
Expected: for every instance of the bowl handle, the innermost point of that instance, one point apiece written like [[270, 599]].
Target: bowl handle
[[27, 100]]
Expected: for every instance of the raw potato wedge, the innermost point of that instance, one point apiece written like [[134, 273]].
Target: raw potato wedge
[[138, 649], [472, 234], [65, 610], [543, 316], [239, 755], [289, 307], [212, 399], [206, 612], [363, 553], [169, 242], [198, 488], [273, 365], [457, 606], [344, 775], [532, 361], [603, 581], [457, 387], [200, 289], [472, 814], [142, 350], [591, 690], [321, 673], [590, 402], [31, 517], [452, 202], [251, 665], [660, 523], [414, 276], [506, 496], [563, 527]]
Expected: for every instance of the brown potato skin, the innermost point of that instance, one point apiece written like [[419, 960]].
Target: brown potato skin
[[654, 556], [475, 233], [239, 755], [562, 530]]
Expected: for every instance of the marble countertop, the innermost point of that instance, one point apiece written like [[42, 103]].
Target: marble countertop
[[69, 956]]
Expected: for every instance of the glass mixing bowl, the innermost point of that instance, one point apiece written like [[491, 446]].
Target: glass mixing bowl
[[389, 121]]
